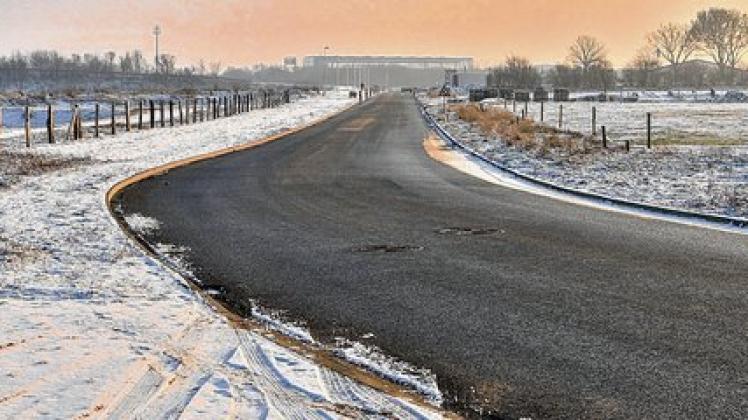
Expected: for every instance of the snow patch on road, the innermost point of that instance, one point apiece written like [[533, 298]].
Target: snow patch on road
[[142, 225]]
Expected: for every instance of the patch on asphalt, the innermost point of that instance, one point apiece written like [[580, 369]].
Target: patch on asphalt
[[385, 248], [467, 230]]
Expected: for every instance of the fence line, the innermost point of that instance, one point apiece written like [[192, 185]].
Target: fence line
[[192, 110]]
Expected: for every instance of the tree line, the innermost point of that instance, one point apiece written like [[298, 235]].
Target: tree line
[[666, 60], [50, 68]]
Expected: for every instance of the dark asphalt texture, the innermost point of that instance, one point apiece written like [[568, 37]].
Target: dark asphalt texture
[[563, 312]]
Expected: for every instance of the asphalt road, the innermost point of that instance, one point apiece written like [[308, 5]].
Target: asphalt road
[[547, 310]]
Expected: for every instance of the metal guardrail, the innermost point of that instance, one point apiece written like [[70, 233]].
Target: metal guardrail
[[669, 211]]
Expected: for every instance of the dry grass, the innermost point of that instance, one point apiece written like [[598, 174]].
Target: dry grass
[[14, 165], [523, 133]]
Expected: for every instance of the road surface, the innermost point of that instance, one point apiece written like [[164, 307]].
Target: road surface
[[521, 305]]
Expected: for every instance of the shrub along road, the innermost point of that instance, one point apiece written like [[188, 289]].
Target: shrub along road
[[520, 304]]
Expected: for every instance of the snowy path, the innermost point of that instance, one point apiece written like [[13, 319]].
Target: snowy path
[[92, 327]]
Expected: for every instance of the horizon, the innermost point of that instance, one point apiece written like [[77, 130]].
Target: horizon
[[243, 34]]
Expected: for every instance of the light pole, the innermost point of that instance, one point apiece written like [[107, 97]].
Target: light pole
[[156, 33], [324, 68]]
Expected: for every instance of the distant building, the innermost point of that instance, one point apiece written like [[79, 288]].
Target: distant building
[[415, 62], [469, 79]]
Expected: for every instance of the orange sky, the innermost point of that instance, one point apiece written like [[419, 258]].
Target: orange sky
[[244, 32]]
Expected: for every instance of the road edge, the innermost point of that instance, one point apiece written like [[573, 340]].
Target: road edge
[[724, 221], [320, 356]]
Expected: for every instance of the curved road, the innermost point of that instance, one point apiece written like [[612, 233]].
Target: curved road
[[520, 304]]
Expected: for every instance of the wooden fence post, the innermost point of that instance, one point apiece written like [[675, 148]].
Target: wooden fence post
[[542, 111], [560, 117], [649, 130], [74, 123], [181, 115], [128, 127], [27, 125], [1, 120], [594, 121], [79, 122], [96, 120], [152, 105], [162, 113], [140, 114], [171, 113], [202, 109], [114, 121], [194, 110], [50, 124], [605, 137]]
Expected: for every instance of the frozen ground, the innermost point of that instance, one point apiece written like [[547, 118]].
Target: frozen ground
[[672, 122], [698, 178], [92, 327]]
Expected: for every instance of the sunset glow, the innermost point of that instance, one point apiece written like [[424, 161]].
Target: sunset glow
[[242, 33]]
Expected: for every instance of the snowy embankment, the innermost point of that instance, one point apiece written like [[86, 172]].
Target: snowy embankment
[[703, 179], [91, 326]]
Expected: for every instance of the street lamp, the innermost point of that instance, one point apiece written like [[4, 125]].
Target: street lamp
[[156, 33], [324, 68]]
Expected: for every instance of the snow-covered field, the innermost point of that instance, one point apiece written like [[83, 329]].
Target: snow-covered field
[[672, 122], [93, 327], [698, 178]]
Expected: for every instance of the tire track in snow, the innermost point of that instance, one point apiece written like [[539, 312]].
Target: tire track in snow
[[274, 386]]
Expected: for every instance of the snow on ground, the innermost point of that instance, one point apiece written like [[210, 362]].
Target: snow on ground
[[93, 327], [672, 122], [698, 178]]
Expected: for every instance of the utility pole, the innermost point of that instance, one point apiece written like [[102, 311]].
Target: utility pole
[[156, 33], [324, 68]]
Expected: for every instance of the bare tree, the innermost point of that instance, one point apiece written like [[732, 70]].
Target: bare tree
[[138, 62], [587, 52], [674, 43], [640, 72], [722, 34], [110, 56], [215, 68], [517, 72]]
